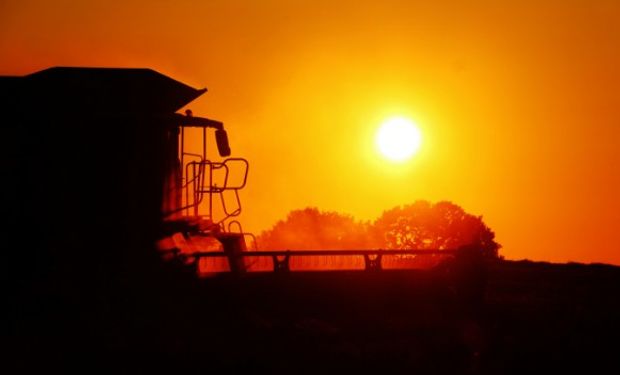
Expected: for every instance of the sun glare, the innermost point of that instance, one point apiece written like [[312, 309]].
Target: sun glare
[[398, 139]]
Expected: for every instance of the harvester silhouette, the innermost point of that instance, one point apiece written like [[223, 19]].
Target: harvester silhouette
[[97, 172], [103, 141]]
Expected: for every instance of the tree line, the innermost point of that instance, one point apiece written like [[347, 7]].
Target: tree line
[[420, 225]]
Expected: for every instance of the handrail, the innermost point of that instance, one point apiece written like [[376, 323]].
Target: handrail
[[196, 174], [240, 231]]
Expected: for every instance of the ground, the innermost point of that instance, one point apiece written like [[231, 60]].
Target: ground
[[533, 317]]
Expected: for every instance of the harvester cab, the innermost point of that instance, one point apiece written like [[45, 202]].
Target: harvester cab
[[202, 202], [106, 153]]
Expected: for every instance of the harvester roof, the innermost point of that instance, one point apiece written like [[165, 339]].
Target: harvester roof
[[98, 90]]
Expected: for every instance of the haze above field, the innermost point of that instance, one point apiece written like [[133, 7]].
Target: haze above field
[[517, 102]]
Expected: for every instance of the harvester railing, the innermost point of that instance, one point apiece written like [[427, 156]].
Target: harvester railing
[[201, 181]]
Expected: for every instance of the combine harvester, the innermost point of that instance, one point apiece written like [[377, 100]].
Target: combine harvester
[[115, 139], [110, 203]]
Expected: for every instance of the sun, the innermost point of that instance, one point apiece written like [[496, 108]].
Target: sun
[[398, 139]]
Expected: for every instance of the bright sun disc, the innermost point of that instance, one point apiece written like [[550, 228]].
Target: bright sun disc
[[398, 139]]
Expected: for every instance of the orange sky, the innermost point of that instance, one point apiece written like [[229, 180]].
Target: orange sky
[[518, 102]]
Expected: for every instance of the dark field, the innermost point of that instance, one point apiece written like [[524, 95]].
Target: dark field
[[535, 317]]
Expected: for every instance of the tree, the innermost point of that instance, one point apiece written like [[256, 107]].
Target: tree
[[311, 229], [441, 226]]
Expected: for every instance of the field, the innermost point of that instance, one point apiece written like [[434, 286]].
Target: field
[[534, 317]]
